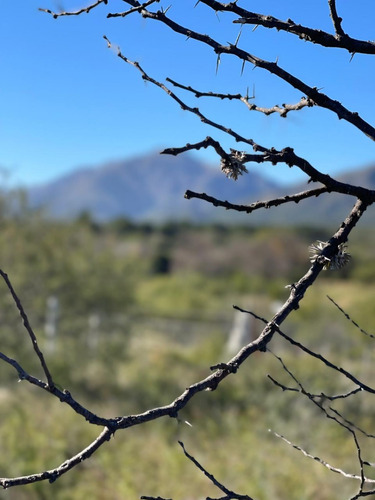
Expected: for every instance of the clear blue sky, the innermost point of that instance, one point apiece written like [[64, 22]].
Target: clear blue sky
[[67, 101]]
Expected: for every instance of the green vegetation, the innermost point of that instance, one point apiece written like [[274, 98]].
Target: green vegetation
[[145, 311]]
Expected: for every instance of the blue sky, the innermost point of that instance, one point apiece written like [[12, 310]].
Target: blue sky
[[67, 101]]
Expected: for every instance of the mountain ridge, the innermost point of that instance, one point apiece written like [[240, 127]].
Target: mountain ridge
[[151, 188]]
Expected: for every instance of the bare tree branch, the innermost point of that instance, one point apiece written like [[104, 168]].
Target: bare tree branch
[[143, 497], [229, 494], [283, 110], [29, 330], [313, 354], [86, 10], [337, 21], [138, 8], [337, 418], [322, 462], [53, 474], [350, 319], [322, 395], [271, 155], [312, 93], [296, 198], [341, 40]]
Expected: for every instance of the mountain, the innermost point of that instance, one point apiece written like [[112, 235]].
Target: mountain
[[151, 188]]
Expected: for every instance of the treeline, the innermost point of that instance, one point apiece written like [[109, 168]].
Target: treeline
[[92, 266]]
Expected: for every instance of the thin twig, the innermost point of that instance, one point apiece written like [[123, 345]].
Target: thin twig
[[336, 417], [230, 494], [28, 329], [308, 351], [86, 10], [53, 474], [350, 319], [137, 8], [283, 110], [322, 462], [322, 395]]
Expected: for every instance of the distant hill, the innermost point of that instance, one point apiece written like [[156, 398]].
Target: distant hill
[[148, 187], [151, 188]]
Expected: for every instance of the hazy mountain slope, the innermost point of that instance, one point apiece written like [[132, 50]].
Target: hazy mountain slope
[[150, 187]]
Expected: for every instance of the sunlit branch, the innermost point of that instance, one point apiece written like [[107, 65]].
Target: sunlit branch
[[86, 10], [341, 40], [184, 106], [336, 417], [283, 110], [322, 462], [50, 386], [288, 156], [318, 401]]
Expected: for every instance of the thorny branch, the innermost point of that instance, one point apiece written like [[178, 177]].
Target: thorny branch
[[312, 93], [296, 198], [233, 164], [283, 110], [270, 155], [340, 40], [86, 10]]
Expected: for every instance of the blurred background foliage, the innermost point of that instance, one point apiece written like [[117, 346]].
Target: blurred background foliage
[[128, 315]]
